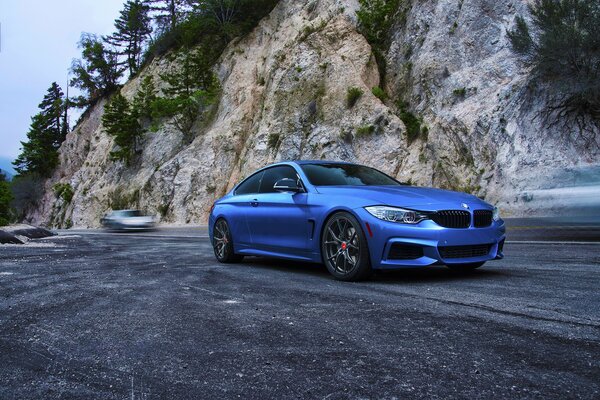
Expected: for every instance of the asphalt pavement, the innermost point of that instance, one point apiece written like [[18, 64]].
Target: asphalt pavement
[[94, 314]]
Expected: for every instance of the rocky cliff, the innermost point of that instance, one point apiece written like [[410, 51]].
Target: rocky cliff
[[284, 89]]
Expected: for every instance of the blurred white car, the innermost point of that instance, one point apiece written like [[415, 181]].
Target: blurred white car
[[569, 191], [128, 219]]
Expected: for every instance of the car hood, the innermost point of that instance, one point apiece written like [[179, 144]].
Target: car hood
[[419, 198]]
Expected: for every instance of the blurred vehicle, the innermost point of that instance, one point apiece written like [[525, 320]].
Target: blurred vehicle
[[566, 192], [128, 219]]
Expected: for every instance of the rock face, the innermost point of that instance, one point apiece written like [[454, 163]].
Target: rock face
[[284, 89]]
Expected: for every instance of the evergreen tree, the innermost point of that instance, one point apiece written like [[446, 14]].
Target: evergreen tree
[[40, 153], [562, 46], [121, 122], [97, 74], [144, 98], [192, 86], [133, 29], [5, 199], [231, 17], [54, 106], [167, 13]]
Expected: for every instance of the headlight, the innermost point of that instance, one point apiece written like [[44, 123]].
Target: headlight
[[496, 214], [395, 214]]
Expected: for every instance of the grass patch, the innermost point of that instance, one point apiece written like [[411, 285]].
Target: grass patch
[[122, 201], [352, 97], [460, 92], [364, 131], [64, 191], [379, 93], [414, 128]]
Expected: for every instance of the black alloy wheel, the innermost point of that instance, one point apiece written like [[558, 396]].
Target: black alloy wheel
[[223, 243], [344, 248]]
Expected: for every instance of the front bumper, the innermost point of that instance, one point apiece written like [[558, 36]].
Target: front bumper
[[428, 243]]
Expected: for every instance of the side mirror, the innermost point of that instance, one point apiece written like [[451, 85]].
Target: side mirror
[[287, 185]]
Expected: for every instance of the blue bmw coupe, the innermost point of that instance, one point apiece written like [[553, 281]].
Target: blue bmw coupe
[[354, 219]]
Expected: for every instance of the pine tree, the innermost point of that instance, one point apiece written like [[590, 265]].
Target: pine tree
[[223, 11], [144, 98], [54, 106], [132, 31], [192, 86], [5, 199], [167, 13], [40, 153], [121, 122], [97, 74]]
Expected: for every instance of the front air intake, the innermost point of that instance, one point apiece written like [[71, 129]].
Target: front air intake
[[478, 250], [452, 218], [401, 251]]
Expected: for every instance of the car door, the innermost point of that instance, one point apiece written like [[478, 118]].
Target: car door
[[240, 205], [278, 221]]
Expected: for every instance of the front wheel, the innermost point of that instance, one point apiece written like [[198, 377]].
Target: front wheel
[[344, 248], [223, 243], [464, 267]]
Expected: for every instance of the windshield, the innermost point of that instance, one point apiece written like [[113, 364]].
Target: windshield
[[128, 213], [346, 175]]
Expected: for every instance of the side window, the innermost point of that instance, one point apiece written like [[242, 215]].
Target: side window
[[250, 185], [274, 174]]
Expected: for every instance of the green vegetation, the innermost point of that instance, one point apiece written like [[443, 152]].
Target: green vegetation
[[379, 93], [27, 190], [97, 74], [163, 210], [195, 32], [563, 48], [364, 131], [39, 155], [132, 31], [6, 197], [144, 99], [273, 141], [414, 130], [64, 191], [453, 28], [460, 92], [352, 96], [119, 200], [192, 87], [376, 18], [310, 29], [209, 22], [121, 121]]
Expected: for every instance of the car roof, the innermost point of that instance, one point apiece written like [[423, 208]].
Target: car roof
[[301, 162]]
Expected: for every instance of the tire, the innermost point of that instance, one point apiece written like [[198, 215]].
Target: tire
[[464, 267], [223, 243], [344, 248]]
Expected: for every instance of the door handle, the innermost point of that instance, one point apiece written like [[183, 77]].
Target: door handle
[[254, 203]]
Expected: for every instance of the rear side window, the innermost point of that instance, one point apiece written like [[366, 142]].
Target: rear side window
[[272, 175], [250, 185]]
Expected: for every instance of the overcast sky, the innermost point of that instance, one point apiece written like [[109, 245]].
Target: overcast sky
[[39, 40]]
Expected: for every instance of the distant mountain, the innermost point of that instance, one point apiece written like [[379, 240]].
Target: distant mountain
[[6, 167]]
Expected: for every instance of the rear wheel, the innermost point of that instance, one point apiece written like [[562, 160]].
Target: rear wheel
[[223, 243], [344, 248], [464, 267]]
